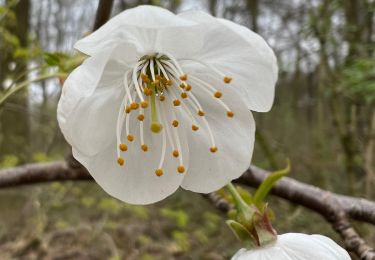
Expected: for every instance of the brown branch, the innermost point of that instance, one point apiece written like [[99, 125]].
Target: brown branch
[[337, 209], [102, 13]]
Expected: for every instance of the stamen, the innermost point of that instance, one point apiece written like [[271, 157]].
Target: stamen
[[144, 104], [181, 169], [176, 102], [218, 94], [213, 149], [164, 122], [147, 91], [163, 149], [230, 114], [175, 63], [152, 69], [130, 138], [162, 70], [134, 106], [175, 123], [135, 81], [203, 85], [159, 172], [227, 79], [184, 95], [120, 161], [120, 122], [144, 147], [183, 77], [177, 139], [141, 117], [200, 112], [155, 127], [123, 147], [188, 88], [175, 153], [161, 98], [126, 85], [194, 127]]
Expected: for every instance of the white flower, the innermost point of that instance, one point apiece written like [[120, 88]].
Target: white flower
[[296, 246], [157, 96]]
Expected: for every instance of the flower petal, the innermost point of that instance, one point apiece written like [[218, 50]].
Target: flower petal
[[150, 28], [241, 54], [91, 97], [296, 246], [234, 138], [135, 182]]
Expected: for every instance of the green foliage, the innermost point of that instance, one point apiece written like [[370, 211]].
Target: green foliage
[[8, 161], [178, 216], [64, 62], [110, 205], [357, 80], [182, 239], [267, 185]]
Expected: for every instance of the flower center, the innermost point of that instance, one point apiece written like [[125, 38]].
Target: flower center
[[157, 79]]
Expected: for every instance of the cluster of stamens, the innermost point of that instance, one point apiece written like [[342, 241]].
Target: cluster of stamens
[[154, 81]]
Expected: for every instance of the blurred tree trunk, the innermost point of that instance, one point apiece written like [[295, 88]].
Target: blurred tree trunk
[[252, 6], [14, 118]]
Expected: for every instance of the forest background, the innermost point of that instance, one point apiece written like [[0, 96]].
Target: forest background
[[323, 120]]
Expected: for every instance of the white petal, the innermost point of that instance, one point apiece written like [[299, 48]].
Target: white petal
[[149, 28], [89, 104], [91, 127], [135, 182], [234, 138], [296, 246], [241, 54]]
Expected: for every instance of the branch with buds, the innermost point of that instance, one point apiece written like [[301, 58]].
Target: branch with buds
[[337, 209]]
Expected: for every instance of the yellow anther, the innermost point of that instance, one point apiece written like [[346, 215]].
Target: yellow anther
[[123, 147], [213, 149], [141, 117], [144, 104], [158, 77], [175, 123], [120, 161], [184, 95], [182, 86], [144, 147], [156, 127], [183, 77], [227, 79], [134, 105], [162, 98], [218, 94], [145, 78], [188, 88], [159, 172], [147, 91], [168, 82], [194, 127], [230, 114], [128, 109], [156, 81], [175, 153], [181, 169], [130, 138], [200, 113], [176, 102]]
